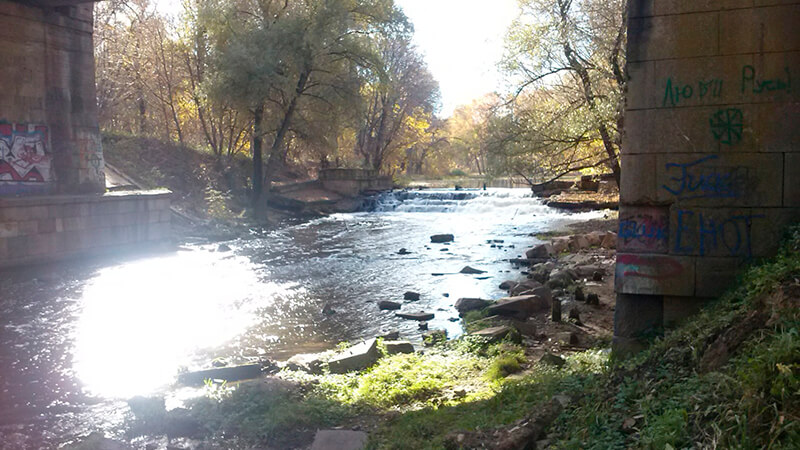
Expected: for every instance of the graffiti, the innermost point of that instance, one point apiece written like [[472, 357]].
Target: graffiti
[[759, 86], [698, 180], [674, 92], [90, 155], [23, 153], [661, 268], [644, 231], [727, 125], [707, 234]]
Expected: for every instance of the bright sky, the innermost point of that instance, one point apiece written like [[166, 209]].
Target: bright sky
[[462, 41]]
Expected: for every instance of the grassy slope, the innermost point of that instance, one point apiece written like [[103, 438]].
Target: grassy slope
[[202, 186], [661, 399]]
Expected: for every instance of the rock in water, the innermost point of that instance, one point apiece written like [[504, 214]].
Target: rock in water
[[472, 271], [403, 251], [507, 285], [395, 347], [386, 305], [420, 316], [442, 238], [411, 295], [464, 305], [540, 251]]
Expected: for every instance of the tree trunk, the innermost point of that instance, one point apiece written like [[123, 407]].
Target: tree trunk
[[257, 160]]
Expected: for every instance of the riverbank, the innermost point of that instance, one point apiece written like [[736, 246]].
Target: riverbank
[[736, 359]]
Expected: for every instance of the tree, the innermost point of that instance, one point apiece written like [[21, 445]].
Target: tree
[[572, 53], [401, 88], [274, 58]]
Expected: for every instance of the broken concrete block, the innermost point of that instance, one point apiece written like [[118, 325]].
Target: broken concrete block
[[357, 357]]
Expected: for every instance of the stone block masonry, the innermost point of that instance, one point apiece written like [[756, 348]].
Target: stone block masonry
[[49, 136], [710, 153], [48, 228]]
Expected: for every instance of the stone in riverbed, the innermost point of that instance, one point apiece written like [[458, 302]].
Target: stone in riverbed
[[403, 251], [395, 347], [386, 305], [420, 316], [233, 373], [520, 307], [540, 251], [442, 238], [507, 285], [472, 271], [464, 305], [411, 295], [339, 440], [357, 357], [392, 335]]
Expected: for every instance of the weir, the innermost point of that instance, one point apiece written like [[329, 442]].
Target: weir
[[53, 203], [710, 152]]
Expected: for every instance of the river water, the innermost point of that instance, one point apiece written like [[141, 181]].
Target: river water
[[77, 341]]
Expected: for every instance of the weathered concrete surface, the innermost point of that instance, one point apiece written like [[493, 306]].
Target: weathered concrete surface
[[49, 137], [710, 152], [357, 357], [36, 229]]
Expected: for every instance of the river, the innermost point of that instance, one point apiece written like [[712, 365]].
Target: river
[[77, 341]]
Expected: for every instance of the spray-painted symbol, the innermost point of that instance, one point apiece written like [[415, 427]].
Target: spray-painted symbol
[[726, 125]]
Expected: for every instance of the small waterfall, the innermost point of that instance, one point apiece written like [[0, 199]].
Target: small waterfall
[[490, 201]]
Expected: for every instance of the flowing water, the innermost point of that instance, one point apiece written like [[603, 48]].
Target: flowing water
[[76, 342]]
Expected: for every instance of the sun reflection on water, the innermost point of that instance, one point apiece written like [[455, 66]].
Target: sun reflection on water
[[144, 320]]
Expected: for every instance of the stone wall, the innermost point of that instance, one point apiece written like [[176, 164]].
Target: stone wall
[[710, 152], [48, 228], [49, 137], [352, 182]]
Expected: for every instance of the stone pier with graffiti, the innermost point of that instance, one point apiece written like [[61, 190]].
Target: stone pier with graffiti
[[52, 183], [710, 154]]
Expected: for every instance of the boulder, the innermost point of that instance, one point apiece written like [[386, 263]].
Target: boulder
[[357, 357], [539, 251], [411, 295], [434, 337], [525, 285], [386, 305], [592, 299], [420, 316], [559, 245], [579, 296], [495, 333], [395, 347], [588, 270], [595, 238], [561, 279], [552, 360], [609, 240], [423, 326], [233, 373], [542, 291], [507, 285], [403, 251], [471, 271], [223, 248], [464, 305], [578, 242], [442, 238], [307, 362], [520, 307], [598, 275], [567, 338], [339, 440]]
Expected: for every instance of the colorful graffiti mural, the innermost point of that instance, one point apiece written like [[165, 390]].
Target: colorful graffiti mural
[[24, 154]]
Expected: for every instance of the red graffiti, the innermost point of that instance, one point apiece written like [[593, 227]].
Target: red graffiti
[[32, 175], [646, 267]]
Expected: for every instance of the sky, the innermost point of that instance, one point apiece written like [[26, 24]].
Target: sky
[[462, 41]]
